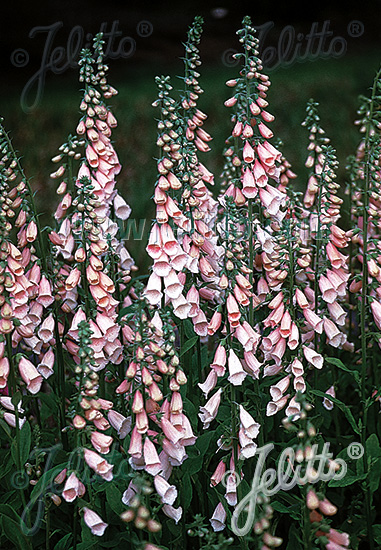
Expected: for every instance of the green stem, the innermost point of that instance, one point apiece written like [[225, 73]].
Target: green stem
[[306, 524], [17, 417], [32, 205], [75, 525], [251, 261], [199, 366], [364, 303], [47, 531], [235, 429], [61, 383]]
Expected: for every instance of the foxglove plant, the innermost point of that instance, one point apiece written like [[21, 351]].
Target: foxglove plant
[[183, 239], [245, 320]]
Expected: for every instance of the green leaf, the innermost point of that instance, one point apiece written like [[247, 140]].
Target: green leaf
[[124, 311], [117, 541], [12, 527], [375, 475], [202, 443], [342, 406], [186, 492], [114, 498], [188, 328], [16, 399], [293, 539], [373, 448], [5, 427], [377, 533], [374, 459], [49, 406], [64, 543], [87, 545], [348, 479], [340, 365], [45, 481], [294, 512], [7, 464], [25, 443], [194, 465], [188, 345]]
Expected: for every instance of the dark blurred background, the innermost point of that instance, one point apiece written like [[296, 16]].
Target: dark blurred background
[[149, 43]]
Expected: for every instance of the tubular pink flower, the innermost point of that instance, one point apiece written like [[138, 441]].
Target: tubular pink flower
[[278, 389], [334, 335], [260, 175], [173, 434], [335, 257], [236, 372], [30, 375], [161, 266], [10, 419], [248, 423], [155, 245], [73, 488], [173, 513], [293, 408], [209, 411], [329, 293], [173, 287], [278, 351], [218, 518], [314, 320], [98, 464], [219, 361], [327, 403], [166, 492], [200, 324], [121, 208], [274, 406], [231, 489], [209, 384], [45, 297], [249, 189], [214, 323], [152, 462], [327, 508], [94, 522], [46, 331], [338, 538], [234, 314], [120, 423], [375, 306], [45, 367], [101, 442], [169, 242], [218, 474], [248, 152], [313, 357], [4, 371]]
